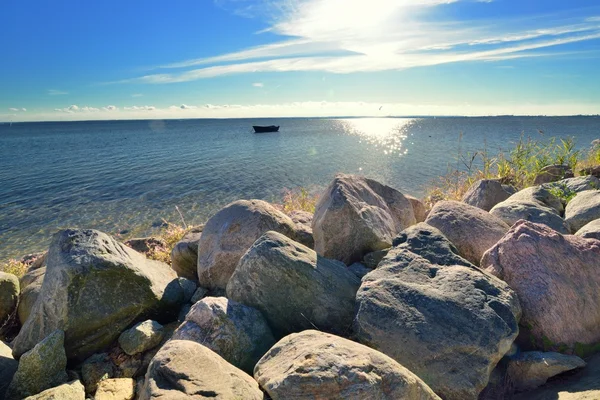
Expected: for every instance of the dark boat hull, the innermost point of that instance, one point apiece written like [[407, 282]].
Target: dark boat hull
[[262, 129]]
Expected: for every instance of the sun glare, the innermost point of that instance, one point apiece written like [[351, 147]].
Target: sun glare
[[385, 134]]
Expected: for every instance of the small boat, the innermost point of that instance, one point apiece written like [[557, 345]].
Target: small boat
[[262, 129]]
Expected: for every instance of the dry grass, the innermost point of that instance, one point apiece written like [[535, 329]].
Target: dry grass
[[170, 235], [14, 267], [299, 199]]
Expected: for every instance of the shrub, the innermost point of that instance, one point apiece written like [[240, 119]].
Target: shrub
[[299, 199]]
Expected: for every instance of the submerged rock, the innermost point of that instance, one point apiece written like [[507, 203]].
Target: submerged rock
[[356, 216]]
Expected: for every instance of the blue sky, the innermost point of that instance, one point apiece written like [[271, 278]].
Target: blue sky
[[70, 60]]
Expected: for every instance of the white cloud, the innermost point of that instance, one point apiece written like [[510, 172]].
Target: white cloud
[[258, 84], [72, 109], [139, 108], [54, 92], [110, 108], [13, 109], [346, 36], [186, 107], [23, 109]]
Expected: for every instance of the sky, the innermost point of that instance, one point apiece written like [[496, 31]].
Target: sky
[[94, 60]]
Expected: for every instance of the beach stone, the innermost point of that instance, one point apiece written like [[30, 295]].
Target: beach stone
[[94, 288], [553, 173], [95, 369], [9, 295], [531, 369], [8, 367], [183, 369], [184, 256], [317, 365], [294, 288], [230, 233], [539, 194], [236, 332], [453, 321], [143, 336], [67, 391], [591, 230], [356, 216], [582, 209], [485, 194], [146, 245], [556, 278], [471, 229], [577, 184], [116, 389], [511, 211], [31, 285], [371, 260], [303, 221], [40, 368], [359, 270], [418, 208]]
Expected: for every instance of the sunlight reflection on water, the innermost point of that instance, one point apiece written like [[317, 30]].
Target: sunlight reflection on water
[[386, 134]]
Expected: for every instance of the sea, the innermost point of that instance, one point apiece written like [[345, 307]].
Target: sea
[[127, 178]]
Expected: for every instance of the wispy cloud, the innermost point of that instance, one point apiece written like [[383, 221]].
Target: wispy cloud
[[54, 92], [14, 109], [346, 36], [258, 84]]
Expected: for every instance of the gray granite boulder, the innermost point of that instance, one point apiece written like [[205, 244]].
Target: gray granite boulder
[[485, 194], [577, 184], [540, 194], [67, 391], [436, 314], [229, 234], [553, 173], [8, 367], [418, 208], [511, 211], [583, 209], [141, 337], [556, 278], [31, 285], [317, 365], [471, 229], [184, 256], [531, 369], [303, 221], [356, 215], [236, 332], [591, 230], [183, 369], [94, 288], [41, 368], [293, 287], [9, 295]]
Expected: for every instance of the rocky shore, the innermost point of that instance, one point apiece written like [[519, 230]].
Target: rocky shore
[[493, 297]]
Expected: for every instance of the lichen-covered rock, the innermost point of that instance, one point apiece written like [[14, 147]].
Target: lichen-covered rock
[[68, 391], [31, 285], [41, 368], [316, 365], [553, 173], [591, 230], [8, 367], [236, 332], [183, 369], [303, 221], [485, 194], [556, 278], [229, 234], [471, 229], [436, 314], [184, 256], [95, 287], [95, 369], [418, 208], [356, 215], [511, 211], [9, 295], [116, 389], [293, 287], [540, 194], [531, 369], [141, 337], [583, 209]]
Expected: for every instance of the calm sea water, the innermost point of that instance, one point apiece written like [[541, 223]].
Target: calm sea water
[[127, 176]]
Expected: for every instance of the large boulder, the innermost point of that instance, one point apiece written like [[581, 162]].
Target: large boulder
[[293, 287], [303, 221], [9, 295], [8, 367], [530, 369], [471, 229], [184, 369], [229, 234], [236, 332], [553, 173], [67, 391], [591, 230], [41, 368], [356, 215], [31, 286], [94, 288], [511, 211], [452, 323], [317, 365], [184, 256], [485, 194], [577, 184], [583, 209], [540, 194], [556, 278]]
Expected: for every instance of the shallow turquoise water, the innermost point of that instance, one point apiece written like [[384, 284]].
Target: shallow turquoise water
[[121, 176]]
